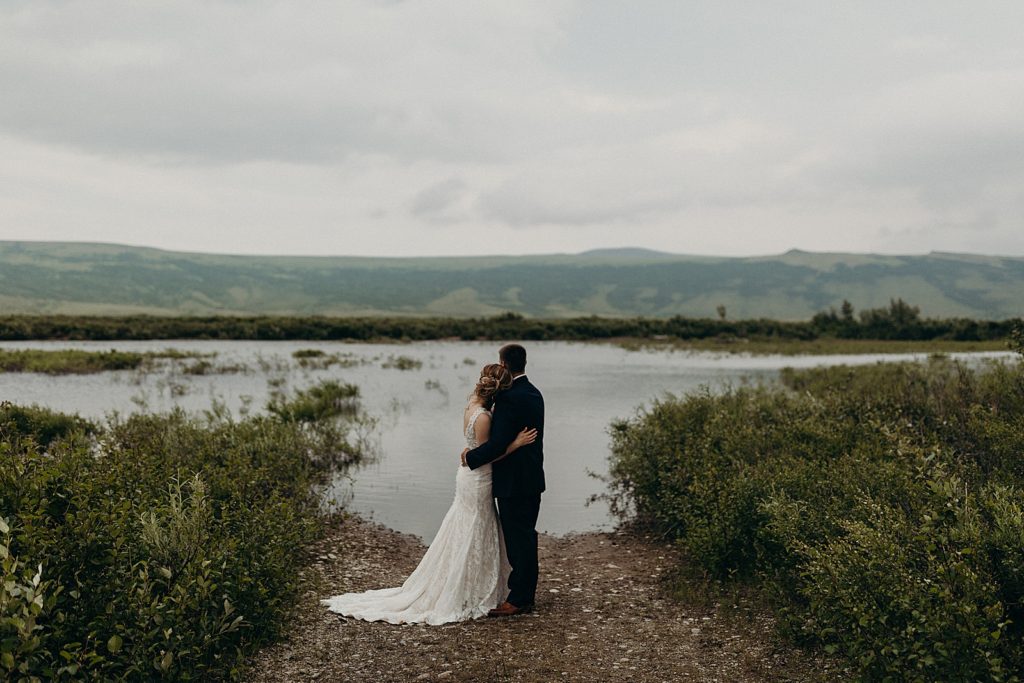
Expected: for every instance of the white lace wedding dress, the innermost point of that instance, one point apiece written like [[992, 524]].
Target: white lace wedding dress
[[464, 572]]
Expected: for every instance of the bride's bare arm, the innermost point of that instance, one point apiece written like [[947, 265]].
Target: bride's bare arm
[[527, 436], [482, 430]]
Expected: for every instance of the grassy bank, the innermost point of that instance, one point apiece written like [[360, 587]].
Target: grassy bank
[[158, 547], [821, 346], [79, 362], [879, 508]]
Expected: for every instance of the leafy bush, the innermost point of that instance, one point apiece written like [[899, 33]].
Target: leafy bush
[[1017, 339], [904, 595], [319, 402], [165, 546], [42, 425], [878, 506], [24, 599]]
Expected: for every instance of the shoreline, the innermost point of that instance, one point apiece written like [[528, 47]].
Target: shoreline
[[605, 612]]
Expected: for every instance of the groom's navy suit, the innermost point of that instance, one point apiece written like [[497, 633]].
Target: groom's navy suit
[[517, 481]]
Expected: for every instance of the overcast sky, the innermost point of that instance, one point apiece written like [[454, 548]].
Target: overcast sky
[[498, 126]]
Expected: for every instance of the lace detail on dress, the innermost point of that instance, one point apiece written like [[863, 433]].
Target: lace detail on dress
[[470, 434], [464, 572]]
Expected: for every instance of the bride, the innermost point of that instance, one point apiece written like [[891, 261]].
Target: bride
[[464, 571]]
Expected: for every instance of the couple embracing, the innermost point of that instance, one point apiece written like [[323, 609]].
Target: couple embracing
[[483, 561]]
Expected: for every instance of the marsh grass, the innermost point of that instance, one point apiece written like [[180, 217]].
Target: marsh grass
[[818, 347], [401, 363], [80, 362], [316, 359]]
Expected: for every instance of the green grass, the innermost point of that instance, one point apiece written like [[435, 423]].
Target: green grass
[[824, 346], [78, 362]]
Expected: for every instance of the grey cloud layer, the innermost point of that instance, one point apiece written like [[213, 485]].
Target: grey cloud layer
[[707, 126]]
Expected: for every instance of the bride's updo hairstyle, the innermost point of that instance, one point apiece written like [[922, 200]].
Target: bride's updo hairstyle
[[493, 378]]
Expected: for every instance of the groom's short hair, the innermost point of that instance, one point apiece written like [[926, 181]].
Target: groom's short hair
[[513, 357]]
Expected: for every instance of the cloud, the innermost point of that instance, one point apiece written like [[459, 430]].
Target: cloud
[[228, 82], [552, 125], [440, 201]]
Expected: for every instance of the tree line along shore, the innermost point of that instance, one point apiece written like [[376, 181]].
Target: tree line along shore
[[899, 321]]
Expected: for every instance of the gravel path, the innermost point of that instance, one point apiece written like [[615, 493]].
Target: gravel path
[[603, 614]]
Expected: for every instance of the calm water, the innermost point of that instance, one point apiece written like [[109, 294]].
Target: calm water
[[419, 437]]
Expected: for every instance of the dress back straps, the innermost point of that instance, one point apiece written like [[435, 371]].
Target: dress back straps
[[472, 419]]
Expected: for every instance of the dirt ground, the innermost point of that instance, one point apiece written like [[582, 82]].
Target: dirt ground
[[603, 613]]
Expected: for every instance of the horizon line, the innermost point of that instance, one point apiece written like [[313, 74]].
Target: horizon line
[[595, 251]]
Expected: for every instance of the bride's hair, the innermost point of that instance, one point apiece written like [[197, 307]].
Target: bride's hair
[[493, 378]]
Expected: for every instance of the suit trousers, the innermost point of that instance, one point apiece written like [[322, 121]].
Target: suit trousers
[[518, 516]]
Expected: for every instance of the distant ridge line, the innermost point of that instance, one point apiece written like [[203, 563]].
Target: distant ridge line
[[79, 278], [600, 251]]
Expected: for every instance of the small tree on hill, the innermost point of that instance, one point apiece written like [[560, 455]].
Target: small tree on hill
[[847, 311]]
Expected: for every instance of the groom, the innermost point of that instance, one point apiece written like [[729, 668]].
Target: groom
[[518, 480]]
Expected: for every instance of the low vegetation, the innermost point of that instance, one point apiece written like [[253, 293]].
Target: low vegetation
[[819, 346], [898, 321], [158, 547], [68, 361], [82, 362], [401, 363], [879, 508], [316, 359]]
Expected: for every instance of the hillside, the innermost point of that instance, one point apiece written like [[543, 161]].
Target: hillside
[[82, 278]]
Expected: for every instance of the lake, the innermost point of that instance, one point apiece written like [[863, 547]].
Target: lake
[[418, 438]]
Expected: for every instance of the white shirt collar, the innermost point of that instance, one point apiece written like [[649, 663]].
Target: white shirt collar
[[518, 377]]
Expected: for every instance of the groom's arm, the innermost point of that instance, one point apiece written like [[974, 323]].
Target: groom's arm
[[503, 433]]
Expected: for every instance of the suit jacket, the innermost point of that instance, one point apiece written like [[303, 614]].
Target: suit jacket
[[521, 473]]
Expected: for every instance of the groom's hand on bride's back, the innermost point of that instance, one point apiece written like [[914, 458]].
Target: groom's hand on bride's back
[[463, 457]]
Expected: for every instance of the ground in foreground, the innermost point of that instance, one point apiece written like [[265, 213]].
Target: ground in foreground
[[603, 614]]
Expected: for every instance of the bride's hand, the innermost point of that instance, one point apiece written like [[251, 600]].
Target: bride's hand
[[527, 436]]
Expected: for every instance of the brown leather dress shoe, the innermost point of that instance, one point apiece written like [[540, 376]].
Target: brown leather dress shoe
[[507, 609]]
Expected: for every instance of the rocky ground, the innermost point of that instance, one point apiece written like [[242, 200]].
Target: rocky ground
[[603, 614]]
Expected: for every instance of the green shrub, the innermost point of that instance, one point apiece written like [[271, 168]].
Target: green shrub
[[321, 401], [169, 545], [42, 425], [907, 595], [1017, 339], [25, 600], [877, 506]]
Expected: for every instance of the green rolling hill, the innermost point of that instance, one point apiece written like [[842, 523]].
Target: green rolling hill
[[106, 279]]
